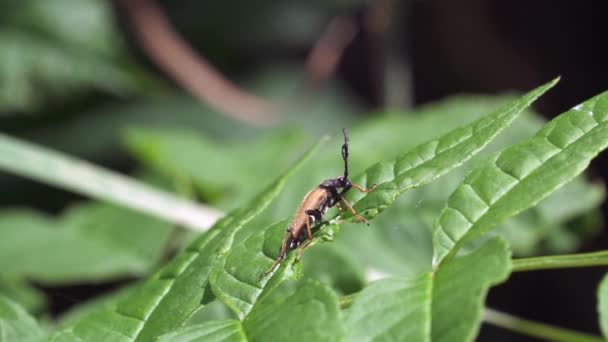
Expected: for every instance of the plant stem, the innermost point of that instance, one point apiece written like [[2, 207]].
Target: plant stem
[[346, 301], [535, 329], [561, 261]]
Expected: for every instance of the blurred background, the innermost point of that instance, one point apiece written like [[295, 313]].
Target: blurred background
[[186, 95]]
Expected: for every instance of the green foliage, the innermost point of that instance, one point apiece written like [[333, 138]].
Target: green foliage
[[520, 176], [88, 243], [43, 52], [16, 324], [167, 299], [444, 305], [19, 291], [432, 159], [213, 289]]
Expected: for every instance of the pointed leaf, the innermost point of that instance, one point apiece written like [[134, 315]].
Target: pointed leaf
[[308, 312], [16, 324], [434, 158], [444, 306], [165, 301], [521, 175]]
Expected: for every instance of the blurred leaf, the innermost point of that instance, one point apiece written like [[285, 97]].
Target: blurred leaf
[[42, 53], [334, 267], [16, 324], [521, 175], [444, 305], [214, 167], [89, 243], [19, 291], [103, 302], [167, 300]]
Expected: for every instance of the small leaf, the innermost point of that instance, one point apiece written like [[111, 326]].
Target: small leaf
[[521, 175], [166, 300], [221, 331], [88, 243], [441, 306], [16, 324], [434, 158]]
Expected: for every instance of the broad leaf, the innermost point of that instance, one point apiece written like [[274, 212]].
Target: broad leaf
[[311, 309], [436, 157], [43, 54], [16, 324], [444, 305], [165, 301], [88, 243], [521, 175], [236, 278]]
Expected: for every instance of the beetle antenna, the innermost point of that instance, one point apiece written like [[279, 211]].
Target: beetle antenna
[[345, 152]]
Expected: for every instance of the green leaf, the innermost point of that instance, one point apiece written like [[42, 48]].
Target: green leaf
[[225, 331], [166, 301], [521, 175], [312, 310], [436, 157], [16, 324], [442, 306], [216, 168], [30, 298], [236, 278], [44, 55], [88, 243], [397, 309], [602, 306]]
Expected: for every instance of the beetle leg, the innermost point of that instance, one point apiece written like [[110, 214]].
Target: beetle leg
[[352, 210], [282, 254], [362, 189], [302, 248], [339, 206]]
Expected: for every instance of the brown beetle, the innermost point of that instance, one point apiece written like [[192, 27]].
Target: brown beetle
[[314, 205]]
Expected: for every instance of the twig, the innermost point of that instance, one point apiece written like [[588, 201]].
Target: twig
[[190, 70], [531, 328], [327, 51], [561, 261], [55, 168]]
